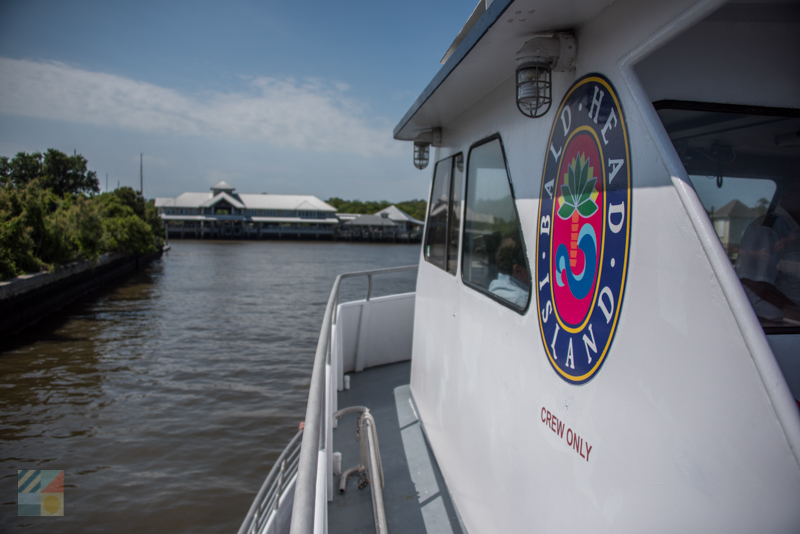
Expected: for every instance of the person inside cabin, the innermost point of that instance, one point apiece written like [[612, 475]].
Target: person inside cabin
[[513, 282], [768, 263]]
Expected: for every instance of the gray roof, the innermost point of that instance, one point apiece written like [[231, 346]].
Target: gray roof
[[370, 220], [222, 196], [734, 209], [247, 201], [398, 215]]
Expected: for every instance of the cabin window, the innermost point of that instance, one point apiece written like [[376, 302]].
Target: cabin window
[[743, 163], [454, 223], [494, 259], [444, 215]]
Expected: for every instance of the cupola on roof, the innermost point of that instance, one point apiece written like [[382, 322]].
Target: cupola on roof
[[223, 186]]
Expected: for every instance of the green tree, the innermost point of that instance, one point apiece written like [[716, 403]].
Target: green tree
[[58, 172], [47, 219], [415, 208], [22, 228], [68, 174], [21, 170], [129, 223]]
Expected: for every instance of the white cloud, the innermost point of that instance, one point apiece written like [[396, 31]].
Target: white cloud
[[310, 114]]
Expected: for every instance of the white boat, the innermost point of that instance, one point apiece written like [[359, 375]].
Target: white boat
[[605, 333]]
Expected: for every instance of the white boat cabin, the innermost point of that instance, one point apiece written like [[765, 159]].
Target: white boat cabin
[[587, 352]]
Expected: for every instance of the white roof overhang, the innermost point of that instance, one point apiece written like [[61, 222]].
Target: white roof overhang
[[486, 57]]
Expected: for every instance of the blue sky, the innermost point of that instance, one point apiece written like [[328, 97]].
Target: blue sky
[[278, 97]]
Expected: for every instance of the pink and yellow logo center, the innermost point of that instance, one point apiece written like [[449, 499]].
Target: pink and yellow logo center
[[577, 229]]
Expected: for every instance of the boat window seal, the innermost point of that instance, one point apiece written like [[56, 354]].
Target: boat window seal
[[493, 137]]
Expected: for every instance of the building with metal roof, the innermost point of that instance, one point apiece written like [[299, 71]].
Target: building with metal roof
[[401, 218], [730, 223], [389, 224], [223, 213]]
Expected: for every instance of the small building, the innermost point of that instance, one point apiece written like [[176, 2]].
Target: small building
[[405, 222], [225, 214], [369, 228], [730, 223], [390, 224]]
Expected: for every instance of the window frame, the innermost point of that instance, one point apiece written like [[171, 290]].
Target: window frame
[[742, 109], [448, 223], [467, 283]]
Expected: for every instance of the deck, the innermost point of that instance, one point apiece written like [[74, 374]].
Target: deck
[[415, 495]]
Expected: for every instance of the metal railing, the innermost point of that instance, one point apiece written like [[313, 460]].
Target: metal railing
[[370, 465], [306, 491], [268, 498]]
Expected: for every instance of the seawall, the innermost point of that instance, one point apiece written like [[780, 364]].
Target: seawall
[[28, 298]]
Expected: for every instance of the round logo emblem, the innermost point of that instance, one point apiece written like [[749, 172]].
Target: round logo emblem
[[584, 229]]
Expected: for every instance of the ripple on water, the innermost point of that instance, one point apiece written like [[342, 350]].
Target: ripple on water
[[167, 398]]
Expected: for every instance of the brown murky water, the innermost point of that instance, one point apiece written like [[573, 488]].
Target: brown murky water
[[166, 398]]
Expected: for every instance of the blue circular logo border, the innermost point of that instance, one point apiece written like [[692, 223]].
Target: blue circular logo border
[[592, 103]]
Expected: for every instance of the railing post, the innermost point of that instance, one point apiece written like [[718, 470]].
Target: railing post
[[375, 480]]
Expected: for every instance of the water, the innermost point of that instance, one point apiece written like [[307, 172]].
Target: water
[[167, 398]]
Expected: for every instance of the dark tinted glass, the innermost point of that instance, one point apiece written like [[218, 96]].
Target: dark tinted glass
[[435, 248], [454, 228], [494, 254], [744, 167]]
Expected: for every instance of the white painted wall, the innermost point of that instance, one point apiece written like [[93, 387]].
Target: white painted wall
[[374, 332]]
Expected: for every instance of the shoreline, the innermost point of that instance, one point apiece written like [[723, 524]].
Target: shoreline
[[31, 297]]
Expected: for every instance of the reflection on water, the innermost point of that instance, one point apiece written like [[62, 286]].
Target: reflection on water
[[166, 399]]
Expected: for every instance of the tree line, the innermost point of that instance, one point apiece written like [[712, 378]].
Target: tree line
[[51, 213], [415, 208]]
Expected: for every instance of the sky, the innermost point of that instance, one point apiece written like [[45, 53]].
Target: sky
[[272, 97]]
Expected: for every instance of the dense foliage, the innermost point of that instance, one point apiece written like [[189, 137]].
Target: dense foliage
[[54, 170], [415, 208], [50, 215]]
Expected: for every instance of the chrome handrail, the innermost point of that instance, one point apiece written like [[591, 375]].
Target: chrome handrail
[[269, 495], [305, 492]]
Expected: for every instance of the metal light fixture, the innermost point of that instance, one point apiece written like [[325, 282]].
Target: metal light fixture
[[536, 61], [422, 153], [422, 146]]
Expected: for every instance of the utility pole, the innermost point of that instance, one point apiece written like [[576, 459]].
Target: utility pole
[[141, 173], [106, 182]]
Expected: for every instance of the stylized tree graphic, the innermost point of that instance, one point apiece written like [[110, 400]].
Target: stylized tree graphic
[[577, 199]]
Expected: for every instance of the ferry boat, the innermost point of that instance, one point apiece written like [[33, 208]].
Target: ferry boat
[[605, 333]]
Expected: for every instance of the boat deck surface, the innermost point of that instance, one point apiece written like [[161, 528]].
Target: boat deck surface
[[415, 496]]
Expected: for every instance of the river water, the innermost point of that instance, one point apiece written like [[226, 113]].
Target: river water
[[166, 398]]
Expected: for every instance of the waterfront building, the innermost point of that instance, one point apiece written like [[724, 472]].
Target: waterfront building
[[405, 222], [389, 224], [730, 223], [369, 228], [223, 213]]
